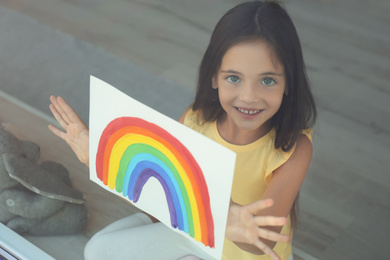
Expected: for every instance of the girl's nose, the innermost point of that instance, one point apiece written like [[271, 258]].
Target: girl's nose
[[248, 93]]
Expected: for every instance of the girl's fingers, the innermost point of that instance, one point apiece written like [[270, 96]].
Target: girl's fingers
[[259, 205], [58, 116], [72, 115], [56, 104], [57, 132], [271, 235], [270, 221], [268, 251]]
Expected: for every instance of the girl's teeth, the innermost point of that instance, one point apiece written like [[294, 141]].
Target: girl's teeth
[[250, 112]]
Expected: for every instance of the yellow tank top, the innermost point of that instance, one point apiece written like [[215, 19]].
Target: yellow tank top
[[255, 164]]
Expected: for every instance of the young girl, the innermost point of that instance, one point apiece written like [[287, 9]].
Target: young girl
[[253, 97]]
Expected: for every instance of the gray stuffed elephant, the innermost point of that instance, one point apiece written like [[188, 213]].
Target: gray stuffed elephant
[[37, 199]]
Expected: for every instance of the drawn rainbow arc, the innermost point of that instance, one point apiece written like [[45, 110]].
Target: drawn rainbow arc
[[132, 150]]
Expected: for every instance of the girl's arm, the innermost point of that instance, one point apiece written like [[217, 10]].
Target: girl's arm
[[283, 189], [75, 133]]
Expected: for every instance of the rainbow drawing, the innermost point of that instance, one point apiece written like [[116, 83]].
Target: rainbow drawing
[[132, 150]]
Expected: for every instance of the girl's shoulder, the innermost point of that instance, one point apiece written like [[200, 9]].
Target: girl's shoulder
[[304, 133], [299, 154], [303, 146], [307, 132]]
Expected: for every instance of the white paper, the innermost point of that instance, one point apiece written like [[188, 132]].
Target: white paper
[[215, 161]]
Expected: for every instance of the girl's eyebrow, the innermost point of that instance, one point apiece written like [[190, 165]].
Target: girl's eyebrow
[[270, 73], [231, 71]]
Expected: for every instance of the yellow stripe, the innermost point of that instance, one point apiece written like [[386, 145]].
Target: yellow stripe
[[129, 139]]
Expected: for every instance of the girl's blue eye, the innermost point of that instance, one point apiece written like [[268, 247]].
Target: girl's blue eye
[[233, 79], [268, 82]]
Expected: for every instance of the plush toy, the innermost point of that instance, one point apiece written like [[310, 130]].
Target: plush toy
[[37, 199]]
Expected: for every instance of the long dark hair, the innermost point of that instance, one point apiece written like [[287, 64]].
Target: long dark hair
[[267, 21]]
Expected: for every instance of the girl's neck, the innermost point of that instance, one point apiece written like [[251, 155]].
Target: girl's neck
[[234, 135]]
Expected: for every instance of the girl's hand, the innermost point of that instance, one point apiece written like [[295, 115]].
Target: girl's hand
[[243, 226], [76, 133]]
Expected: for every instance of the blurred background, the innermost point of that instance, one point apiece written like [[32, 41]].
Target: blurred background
[[151, 49]]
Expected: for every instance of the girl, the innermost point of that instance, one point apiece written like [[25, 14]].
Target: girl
[[254, 98]]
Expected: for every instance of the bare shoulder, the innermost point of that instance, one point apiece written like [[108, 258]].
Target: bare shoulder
[[303, 148], [299, 161], [181, 119]]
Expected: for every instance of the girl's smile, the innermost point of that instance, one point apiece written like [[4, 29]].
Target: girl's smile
[[251, 86], [247, 113]]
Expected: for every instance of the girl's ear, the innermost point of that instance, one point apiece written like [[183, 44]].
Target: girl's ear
[[286, 91], [214, 84]]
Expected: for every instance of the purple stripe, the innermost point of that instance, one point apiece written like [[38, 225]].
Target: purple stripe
[[142, 179]]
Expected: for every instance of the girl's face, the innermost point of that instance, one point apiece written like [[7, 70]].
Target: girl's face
[[251, 85]]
